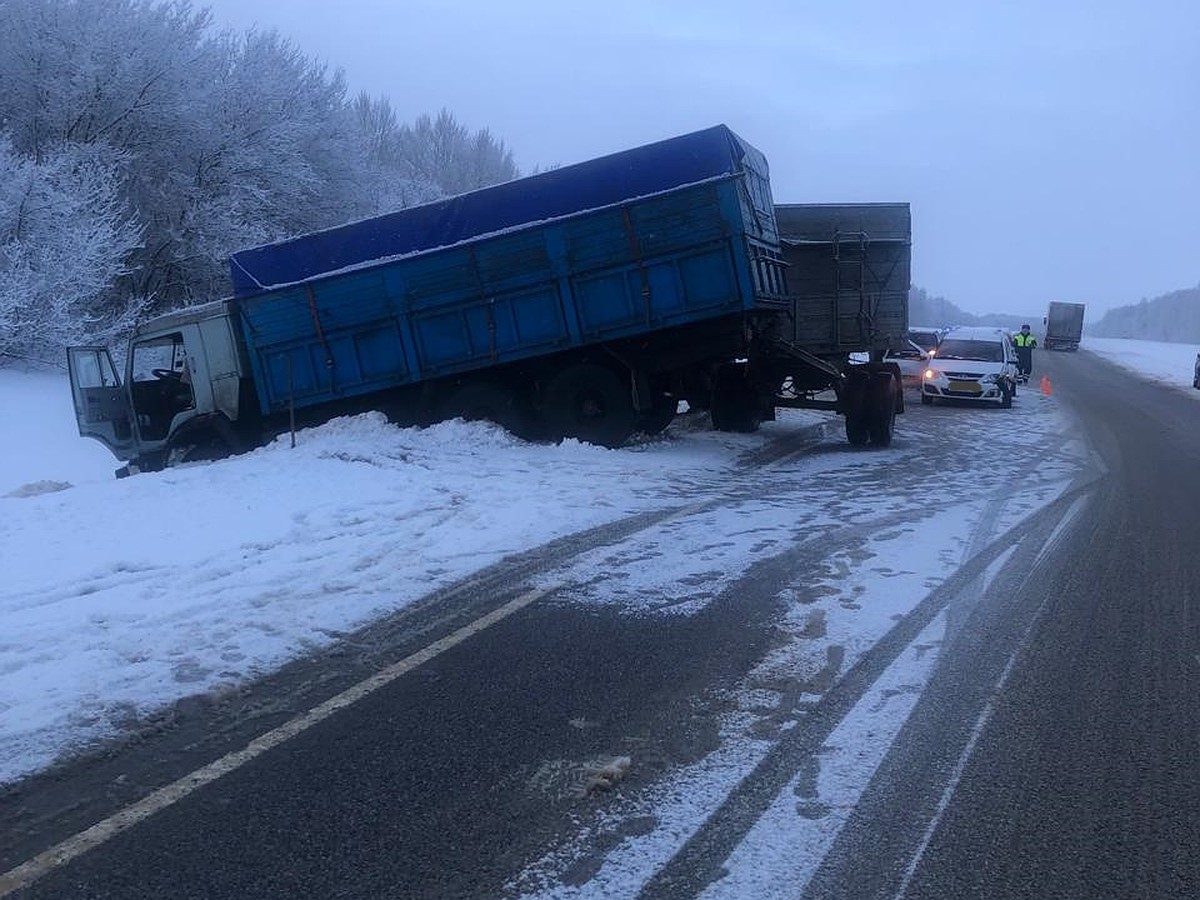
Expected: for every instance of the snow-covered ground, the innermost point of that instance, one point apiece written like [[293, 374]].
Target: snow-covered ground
[[1170, 364], [120, 597]]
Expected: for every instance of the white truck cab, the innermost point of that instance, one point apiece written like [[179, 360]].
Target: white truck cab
[[180, 391]]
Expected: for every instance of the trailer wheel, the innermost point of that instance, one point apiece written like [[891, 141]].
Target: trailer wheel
[[855, 399], [857, 432], [881, 398], [485, 401], [591, 403], [735, 403], [656, 419]]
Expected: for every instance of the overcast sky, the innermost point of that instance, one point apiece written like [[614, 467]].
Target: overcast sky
[[1050, 148]]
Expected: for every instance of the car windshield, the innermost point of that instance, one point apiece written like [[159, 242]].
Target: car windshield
[[926, 340], [984, 351]]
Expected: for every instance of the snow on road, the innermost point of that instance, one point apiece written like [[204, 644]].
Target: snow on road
[[120, 597], [872, 535]]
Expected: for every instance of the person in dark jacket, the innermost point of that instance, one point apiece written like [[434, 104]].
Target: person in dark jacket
[[1024, 341]]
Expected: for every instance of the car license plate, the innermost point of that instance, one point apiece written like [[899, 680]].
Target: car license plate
[[966, 387]]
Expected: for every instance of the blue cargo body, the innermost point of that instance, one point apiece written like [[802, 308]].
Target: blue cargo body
[[673, 233]]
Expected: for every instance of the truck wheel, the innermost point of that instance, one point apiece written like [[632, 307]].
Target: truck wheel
[[881, 396], [591, 403], [854, 397], [857, 432], [656, 419], [208, 441], [735, 403], [485, 401]]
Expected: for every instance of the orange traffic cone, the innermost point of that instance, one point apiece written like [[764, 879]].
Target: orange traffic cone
[[1046, 389]]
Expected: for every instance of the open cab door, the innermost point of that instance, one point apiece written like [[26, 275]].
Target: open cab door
[[101, 404]]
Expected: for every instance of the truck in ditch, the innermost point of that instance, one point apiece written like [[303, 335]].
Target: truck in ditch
[[1064, 326], [589, 301]]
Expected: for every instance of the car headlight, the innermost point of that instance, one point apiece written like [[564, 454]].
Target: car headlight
[[989, 379]]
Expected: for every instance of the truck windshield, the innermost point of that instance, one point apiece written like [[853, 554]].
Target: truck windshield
[[161, 354], [160, 384]]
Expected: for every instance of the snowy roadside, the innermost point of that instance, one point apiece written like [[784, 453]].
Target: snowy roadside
[[120, 597], [1157, 361]]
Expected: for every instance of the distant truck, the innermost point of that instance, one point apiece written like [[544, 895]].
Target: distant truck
[[1064, 326], [587, 301]]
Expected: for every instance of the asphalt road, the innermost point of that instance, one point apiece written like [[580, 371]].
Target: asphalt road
[[1056, 753]]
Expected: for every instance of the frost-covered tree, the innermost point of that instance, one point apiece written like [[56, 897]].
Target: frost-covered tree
[[231, 140], [446, 153], [87, 71], [65, 236], [397, 181], [212, 141], [273, 152]]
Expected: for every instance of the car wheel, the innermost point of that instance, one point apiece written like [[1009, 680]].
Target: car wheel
[[926, 399]]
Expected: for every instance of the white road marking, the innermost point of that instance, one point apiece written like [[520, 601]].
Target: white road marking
[[60, 854], [989, 708], [955, 777]]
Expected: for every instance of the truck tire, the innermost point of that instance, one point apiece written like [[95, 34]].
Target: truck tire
[[207, 440], [656, 419], [881, 396], [854, 397], [485, 401], [589, 402], [735, 403], [857, 431]]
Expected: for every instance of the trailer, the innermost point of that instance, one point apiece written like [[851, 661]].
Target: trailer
[[1064, 326], [588, 301], [848, 283]]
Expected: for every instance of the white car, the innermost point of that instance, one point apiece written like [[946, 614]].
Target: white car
[[926, 338], [911, 359], [972, 364]]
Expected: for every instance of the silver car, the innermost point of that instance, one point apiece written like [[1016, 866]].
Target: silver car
[[972, 364]]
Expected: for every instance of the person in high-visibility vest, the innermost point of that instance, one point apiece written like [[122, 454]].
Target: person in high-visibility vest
[[1024, 341]]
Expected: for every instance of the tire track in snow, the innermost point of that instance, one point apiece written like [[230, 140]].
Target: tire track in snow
[[700, 860]]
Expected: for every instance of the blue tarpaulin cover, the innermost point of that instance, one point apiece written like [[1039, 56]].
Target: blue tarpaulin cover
[[597, 183]]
